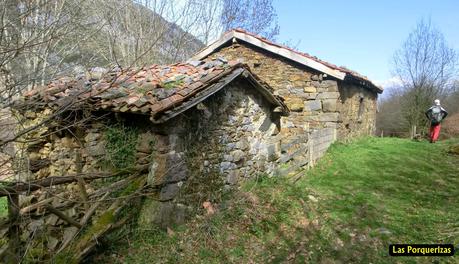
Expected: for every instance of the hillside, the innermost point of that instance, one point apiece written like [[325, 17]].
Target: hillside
[[359, 198]]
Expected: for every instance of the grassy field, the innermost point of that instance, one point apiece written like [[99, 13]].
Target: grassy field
[[357, 200]]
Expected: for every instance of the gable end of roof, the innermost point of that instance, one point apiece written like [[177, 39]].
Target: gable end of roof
[[305, 59]]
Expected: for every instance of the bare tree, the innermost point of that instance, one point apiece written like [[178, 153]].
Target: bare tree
[[451, 102], [257, 16], [41, 39], [425, 64]]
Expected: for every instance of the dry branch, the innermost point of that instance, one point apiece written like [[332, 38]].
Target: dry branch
[[83, 222], [62, 216], [18, 187]]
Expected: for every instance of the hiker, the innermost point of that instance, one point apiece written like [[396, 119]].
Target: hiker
[[435, 114]]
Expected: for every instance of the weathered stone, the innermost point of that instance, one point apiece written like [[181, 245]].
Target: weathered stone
[[43, 173], [243, 144], [273, 152], [149, 213], [284, 158], [248, 128], [237, 155], [312, 198], [69, 234], [314, 105], [52, 243], [30, 115], [71, 212], [90, 137], [34, 156], [168, 168], [289, 124], [230, 146], [232, 177], [67, 142], [96, 150], [295, 104], [329, 105], [331, 124], [145, 143], [36, 225], [169, 191], [296, 90], [225, 166], [311, 96], [328, 83], [310, 89], [171, 214], [315, 77], [328, 95], [323, 117], [228, 158], [162, 144], [315, 84], [51, 220]]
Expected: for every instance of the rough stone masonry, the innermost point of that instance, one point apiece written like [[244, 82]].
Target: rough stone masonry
[[223, 124]]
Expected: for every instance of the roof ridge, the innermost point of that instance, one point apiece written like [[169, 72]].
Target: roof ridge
[[342, 69]]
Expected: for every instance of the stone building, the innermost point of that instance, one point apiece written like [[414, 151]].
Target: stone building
[[327, 102], [241, 107], [196, 127]]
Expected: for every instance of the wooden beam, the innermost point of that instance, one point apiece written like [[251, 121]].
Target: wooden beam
[[19, 187], [199, 97], [62, 216]]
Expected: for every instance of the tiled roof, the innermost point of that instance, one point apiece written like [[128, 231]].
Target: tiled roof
[[147, 90], [349, 73]]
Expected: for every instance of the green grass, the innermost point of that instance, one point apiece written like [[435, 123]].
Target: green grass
[[3, 207], [357, 200]]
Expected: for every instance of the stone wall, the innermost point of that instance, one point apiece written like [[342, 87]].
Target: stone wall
[[317, 101], [357, 111], [194, 157], [203, 152], [59, 151]]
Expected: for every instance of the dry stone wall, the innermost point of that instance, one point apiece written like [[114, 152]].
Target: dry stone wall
[[316, 101], [202, 153], [193, 158], [357, 111], [58, 151]]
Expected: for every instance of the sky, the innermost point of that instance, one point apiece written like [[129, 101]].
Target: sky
[[361, 35]]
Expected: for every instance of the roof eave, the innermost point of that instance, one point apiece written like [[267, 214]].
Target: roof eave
[[162, 117], [271, 48], [362, 82]]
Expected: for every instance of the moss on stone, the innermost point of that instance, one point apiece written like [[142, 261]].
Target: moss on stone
[[121, 144], [172, 84]]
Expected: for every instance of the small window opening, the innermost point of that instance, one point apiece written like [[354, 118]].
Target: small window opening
[[361, 108]]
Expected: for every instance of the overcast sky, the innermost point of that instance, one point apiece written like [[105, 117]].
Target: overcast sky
[[361, 35]]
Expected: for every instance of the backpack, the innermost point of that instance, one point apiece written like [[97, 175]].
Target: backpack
[[437, 115]]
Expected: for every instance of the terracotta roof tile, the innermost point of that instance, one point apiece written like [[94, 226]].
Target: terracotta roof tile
[[148, 90]]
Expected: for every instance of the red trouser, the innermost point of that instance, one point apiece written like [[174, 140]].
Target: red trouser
[[434, 132]]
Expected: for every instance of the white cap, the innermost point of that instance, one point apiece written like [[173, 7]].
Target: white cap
[[437, 102]]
